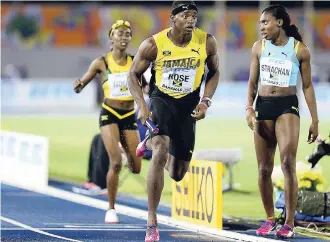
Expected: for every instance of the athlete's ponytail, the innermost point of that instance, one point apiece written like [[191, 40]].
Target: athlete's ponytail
[[292, 30], [280, 12]]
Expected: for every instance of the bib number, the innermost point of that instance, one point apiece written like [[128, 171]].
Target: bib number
[[118, 85], [275, 72], [178, 80]]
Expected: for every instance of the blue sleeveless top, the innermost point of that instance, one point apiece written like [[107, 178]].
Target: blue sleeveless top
[[279, 65]]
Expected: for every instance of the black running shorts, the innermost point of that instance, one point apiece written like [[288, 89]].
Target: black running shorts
[[124, 118], [270, 108], [174, 120]]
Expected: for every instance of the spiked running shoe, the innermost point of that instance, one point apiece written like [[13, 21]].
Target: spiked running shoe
[[266, 228], [285, 232], [111, 217], [152, 234]]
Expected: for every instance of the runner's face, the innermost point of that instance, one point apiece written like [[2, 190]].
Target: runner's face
[[121, 38], [186, 21], [269, 26]]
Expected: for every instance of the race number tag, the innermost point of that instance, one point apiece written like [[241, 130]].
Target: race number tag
[[178, 80], [118, 85], [275, 72]]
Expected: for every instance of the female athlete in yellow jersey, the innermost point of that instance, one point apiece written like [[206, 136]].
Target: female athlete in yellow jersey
[[117, 120]]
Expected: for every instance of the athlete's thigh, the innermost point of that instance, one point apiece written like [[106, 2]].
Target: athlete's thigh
[[265, 142], [129, 140], [111, 138], [182, 142], [162, 115], [287, 129]]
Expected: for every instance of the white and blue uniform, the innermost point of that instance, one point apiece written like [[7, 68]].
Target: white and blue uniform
[[279, 65]]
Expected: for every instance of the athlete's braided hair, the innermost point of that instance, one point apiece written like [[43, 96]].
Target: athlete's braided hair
[[280, 12]]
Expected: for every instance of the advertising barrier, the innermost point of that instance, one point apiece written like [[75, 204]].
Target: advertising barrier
[[197, 198], [24, 159], [46, 97]]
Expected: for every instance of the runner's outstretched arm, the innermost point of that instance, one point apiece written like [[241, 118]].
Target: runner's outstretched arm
[[93, 69]]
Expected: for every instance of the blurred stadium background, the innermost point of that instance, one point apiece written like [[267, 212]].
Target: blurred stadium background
[[45, 46]]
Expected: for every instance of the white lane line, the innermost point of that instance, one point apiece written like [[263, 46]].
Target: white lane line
[[90, 229], [92, 225], [141, 214], [105, 226], [27, 227]]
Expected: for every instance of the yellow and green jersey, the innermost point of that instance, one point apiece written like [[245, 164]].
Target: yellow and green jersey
[[178, 71]]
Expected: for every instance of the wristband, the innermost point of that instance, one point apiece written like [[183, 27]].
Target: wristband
[[247, 107], [207, 101]]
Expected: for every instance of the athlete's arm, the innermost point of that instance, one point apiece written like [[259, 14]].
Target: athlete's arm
[[143, 81], [212, 79], [212, 62], [93, 69], [254, 73], [146, 54], [308, 89]]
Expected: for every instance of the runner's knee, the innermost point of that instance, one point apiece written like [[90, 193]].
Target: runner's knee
[[115, 167], [288, 163], [159, 146], [265, 171], [134, 164]]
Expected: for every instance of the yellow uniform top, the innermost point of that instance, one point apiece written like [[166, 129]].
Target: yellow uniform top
[[178, 71], [115, 83]]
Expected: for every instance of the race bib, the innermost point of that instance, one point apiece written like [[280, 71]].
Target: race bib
[[275, 72], [178, 80], [118, 85]]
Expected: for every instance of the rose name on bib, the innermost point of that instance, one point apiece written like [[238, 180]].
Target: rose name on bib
[[118, 85], [275, 72], [178, 80]]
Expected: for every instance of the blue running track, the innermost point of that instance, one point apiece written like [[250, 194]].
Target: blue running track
[[67, 221], [31, 216]]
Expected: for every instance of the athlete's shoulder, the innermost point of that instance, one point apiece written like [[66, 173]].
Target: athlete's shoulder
[[98, 64], [148, 49], [104, 58], [161, 34], [258, 47], [210, 39], [100, 60], [302, 51], [149, 42], [300, 44], [211, 45], [259, 43]]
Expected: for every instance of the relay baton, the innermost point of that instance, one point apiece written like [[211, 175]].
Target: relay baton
[[152, 126]]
